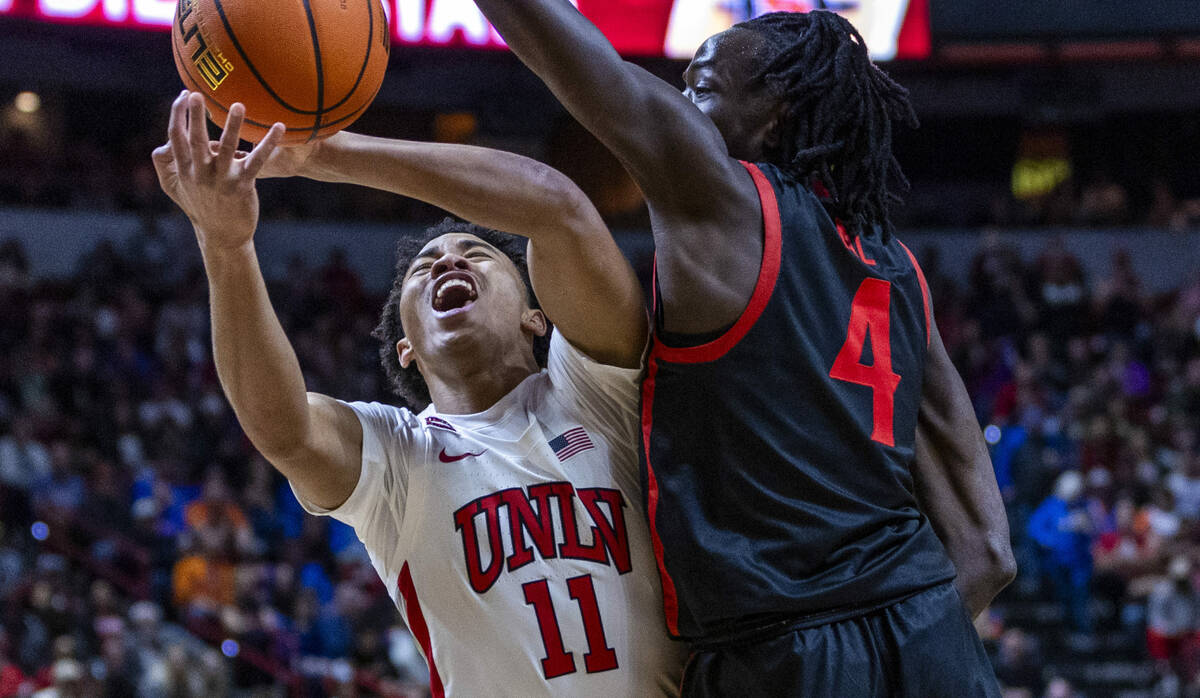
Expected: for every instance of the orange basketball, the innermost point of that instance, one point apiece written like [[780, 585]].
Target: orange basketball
[[314, 65]]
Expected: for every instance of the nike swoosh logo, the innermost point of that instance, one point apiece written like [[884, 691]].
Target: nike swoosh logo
[[443, 457]]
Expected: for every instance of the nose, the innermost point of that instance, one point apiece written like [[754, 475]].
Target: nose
[[449, 262]]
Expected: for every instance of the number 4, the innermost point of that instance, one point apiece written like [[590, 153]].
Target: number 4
[[871, 313]]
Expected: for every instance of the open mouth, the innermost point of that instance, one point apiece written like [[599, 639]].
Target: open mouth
[[454, 291]]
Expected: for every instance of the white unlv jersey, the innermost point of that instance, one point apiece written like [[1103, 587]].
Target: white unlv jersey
[[514, 541]]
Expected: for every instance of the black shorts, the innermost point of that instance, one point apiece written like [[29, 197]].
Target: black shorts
[[923, 646]]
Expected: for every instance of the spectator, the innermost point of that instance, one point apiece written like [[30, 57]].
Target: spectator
[[203, 579], [1184, 485], [60, 494], [1119, 299], [1017, 663], [1173, 619], [23, 460], [69, 681], [1058, 687], [216, 520], [1061, 292], [12, 680], [1062, 528]]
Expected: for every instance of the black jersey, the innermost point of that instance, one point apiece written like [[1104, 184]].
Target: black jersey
[[776, 456]]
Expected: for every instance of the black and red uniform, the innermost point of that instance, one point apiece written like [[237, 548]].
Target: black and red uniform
[[776, 459]]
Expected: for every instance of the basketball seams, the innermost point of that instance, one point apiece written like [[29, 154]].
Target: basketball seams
[[325, 126], [316, 41], [191, 84], [237, 45], [366, 59]]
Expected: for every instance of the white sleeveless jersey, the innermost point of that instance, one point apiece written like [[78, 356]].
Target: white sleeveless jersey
[[514, 541]]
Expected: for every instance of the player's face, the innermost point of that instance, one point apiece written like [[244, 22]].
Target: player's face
[[460, 292], [720, 82]]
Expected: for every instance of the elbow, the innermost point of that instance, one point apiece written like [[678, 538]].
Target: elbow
[[1005, 572], [1002, 565], [565, 207]]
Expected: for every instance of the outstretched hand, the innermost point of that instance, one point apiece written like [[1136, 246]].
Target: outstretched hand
[[213, 186]]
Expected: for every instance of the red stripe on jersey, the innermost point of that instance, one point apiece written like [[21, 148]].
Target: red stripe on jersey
[[767, 274], [420, 631], [670, 600], [924, 295]]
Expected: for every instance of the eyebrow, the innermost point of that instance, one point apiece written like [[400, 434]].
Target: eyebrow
[[463, 246]]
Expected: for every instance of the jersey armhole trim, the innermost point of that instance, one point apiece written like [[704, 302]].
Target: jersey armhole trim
[[924, 295], [768, 273]]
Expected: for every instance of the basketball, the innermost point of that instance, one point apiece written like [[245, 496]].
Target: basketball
[[314, 65]]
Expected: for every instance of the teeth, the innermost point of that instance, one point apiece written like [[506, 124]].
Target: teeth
[[450, 283]]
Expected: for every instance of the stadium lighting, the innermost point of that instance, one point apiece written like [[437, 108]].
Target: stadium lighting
[[27, 102]]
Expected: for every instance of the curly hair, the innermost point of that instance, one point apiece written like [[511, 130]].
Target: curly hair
[[408, 383], [840, 109]]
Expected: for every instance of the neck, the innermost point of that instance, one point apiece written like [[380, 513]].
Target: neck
[[470, 385]]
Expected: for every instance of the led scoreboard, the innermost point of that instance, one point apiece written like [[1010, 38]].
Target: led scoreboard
[[672, 28]]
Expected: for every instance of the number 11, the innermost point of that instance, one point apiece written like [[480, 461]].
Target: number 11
[[558, 661]]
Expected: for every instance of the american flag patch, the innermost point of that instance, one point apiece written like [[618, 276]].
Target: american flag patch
[[439, 423], [571, 442]]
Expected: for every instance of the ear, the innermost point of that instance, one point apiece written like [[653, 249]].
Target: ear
[[774, 131], [405, 351], [534, 322]]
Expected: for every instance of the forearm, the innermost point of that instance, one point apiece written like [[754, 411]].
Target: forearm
[[564, 49], [493, 188], [965, 509], [956, 485], [256, 365]]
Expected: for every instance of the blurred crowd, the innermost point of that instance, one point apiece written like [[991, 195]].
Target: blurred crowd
[[146, 549], [1090, 392], [1095, 201], [1121, 172]]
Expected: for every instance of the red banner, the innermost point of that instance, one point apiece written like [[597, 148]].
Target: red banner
[[674, 28]]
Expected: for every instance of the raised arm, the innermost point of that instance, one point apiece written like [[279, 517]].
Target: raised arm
[[705, 211], [315, 441], [669, 146], [957, 486], [585, 285]]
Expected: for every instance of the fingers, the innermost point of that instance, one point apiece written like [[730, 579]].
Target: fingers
[[258, 157], [230, 136], [177, 133], [197, 131], [162, 160], [162, 153]]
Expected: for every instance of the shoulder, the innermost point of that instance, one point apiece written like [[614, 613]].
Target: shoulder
[[578, 382], [380, 415], [388, 428], [568, 366]]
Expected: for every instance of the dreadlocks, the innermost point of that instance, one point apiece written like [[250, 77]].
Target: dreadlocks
[[408, 383], [837, 127]]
